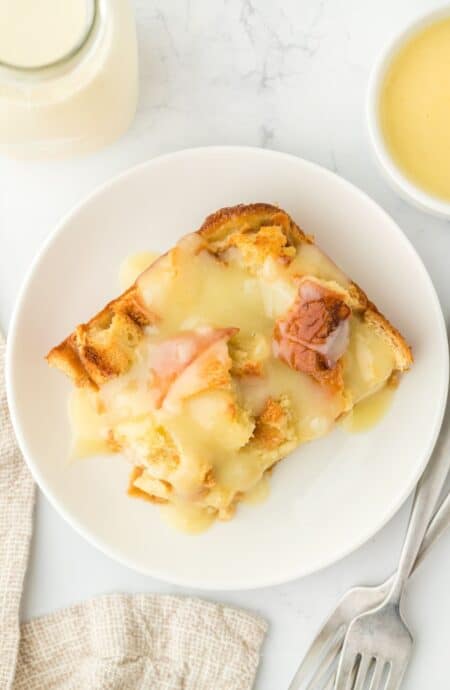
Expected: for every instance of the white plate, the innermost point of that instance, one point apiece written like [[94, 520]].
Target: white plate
[[328, 497]]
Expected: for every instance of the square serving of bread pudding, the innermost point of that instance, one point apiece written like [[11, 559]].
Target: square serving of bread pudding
[[236, 346]]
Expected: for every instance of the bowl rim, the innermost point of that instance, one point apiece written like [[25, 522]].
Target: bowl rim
[[392, 172]]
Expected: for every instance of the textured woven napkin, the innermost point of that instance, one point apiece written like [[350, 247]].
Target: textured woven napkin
[[114, 642]]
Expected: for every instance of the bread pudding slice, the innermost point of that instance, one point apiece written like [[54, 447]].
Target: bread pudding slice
[[240, 343]]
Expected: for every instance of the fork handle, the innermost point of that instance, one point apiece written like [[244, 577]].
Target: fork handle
[[425, 499], [438, 525], [440, 522]]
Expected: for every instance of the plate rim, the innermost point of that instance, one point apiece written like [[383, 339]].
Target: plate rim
[[99, 543]]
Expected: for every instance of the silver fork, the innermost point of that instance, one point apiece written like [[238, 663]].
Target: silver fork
[[320, 662], [378, 643], [318, 668]]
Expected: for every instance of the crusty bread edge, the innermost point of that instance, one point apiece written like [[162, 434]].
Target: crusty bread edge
[[67, 356], [368, 311], [225, 217]]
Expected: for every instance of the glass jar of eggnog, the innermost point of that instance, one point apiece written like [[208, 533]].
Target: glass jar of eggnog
[[68, 75]]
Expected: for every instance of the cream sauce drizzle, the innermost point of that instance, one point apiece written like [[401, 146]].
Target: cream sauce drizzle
[[211, 430]]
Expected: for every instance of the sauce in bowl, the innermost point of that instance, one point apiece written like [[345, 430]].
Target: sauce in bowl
[[414, 108]]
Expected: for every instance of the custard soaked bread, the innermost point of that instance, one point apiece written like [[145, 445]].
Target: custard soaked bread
[[239, 344]]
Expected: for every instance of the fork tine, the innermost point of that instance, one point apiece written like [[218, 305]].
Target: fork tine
[[377, 675], [395, 677], [324, 676], [346, 668], [328, 664], [320, 650], [362, 672], [330, 684]]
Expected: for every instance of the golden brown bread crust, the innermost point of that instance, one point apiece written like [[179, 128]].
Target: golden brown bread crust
[[270, 432], [103, 348], [252, 216], [100, 349]]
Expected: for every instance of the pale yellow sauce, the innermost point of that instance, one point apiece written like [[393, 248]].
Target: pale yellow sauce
[[200, 290], [259, 493], [368, 362], [415, 108], [213, 429], [90, 426], [187, 517], [317, 408], [367, 413], [39, 32], [132, 267], [312, 261]]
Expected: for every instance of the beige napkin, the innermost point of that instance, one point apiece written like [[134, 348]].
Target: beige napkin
[[114, 642]]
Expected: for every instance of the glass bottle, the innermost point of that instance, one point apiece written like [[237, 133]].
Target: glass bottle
[[78, 97]]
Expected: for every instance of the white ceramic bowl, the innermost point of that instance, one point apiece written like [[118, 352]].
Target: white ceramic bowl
[[401, 184], [329, 496]]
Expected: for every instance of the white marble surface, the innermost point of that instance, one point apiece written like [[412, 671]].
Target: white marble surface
[[289, 76]]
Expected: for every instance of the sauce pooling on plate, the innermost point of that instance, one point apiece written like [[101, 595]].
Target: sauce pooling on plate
[[367, 413], [415, 108], [133, 266]]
